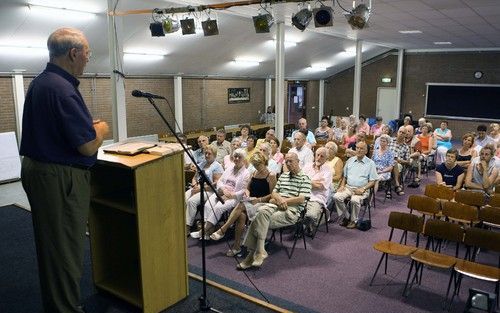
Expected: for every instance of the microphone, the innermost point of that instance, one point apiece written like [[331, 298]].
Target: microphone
[[140, 94]]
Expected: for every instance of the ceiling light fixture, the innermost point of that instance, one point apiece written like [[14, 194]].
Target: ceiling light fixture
[[323, 16], [302, 18], [287, 43], [358, 16], [188, 27], [133, 56], [262, 23], [210, 27], [410, 31], [442, 43], [318, 67], [170, 25], [243, 62]]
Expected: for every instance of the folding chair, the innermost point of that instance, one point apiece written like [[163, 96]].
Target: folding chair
[[490, 216], [495, 199], [483, 239], [461, 213], [325, 214], [470, 197], [441, 192], [405, 222], [426, 206]]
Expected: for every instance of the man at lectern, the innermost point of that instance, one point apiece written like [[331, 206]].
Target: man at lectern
[[59, 144]]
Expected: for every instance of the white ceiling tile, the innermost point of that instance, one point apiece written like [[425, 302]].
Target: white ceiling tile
[[458, 12], [443, 4], [434, 14], [411, 6]]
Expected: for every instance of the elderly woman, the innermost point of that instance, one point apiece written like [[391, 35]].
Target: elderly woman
[[250, 149], [228, 159], [386, 130], [376, 129], [495, 133], [276, 154], [323, 132], [273, 166], [363, 125], [244, 132], [231, 186], [350, 137], [340, 129], [442, 137], [466, 152], [384, 162], [336, 165], [258, 191], [214, 171]]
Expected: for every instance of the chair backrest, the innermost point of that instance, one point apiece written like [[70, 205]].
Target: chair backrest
[[470, 197], [423, 204], [444, 230], [460, 211], [285, 146], [495, 199], [439, 192], [482, 238], [490, 215], [406, 221]]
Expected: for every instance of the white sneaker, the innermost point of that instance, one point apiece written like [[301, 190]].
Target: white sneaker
[[195, 235]]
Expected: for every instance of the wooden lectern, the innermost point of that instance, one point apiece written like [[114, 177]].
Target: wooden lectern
[[137, 229]]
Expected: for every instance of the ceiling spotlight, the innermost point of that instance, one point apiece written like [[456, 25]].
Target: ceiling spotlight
[[156, 29], [210, 27], [323, 16], [263, 23], [170, 25], [187, 26], [358, 17], [302, 18]]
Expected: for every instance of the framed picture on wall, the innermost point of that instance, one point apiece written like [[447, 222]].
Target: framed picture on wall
[[238, 95]]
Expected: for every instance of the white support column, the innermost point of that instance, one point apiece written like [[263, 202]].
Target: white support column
[[321, 104], [356, 98], [119, 111], [178, 104], [269, 94], [18, 91], [280, 80], [399, 81]]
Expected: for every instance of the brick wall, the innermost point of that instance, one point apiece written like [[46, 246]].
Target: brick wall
[[7, 110]]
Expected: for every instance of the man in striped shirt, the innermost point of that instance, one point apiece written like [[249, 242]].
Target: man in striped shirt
[[287, 201]]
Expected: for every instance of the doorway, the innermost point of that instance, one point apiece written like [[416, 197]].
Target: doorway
[[387, 104], [296, 101]]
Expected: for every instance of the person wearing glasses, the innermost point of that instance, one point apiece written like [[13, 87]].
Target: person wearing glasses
[[199, 154], [59, 144]]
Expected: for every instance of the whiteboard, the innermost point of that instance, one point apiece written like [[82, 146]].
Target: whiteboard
[[10, 162]]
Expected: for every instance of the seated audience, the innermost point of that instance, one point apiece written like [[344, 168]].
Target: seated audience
[[351, 149], [214, 171], [321, 179], [199, 154], [302, 124], [187, 160], [363, 126], [495, 133], [268, 116], [401, 152], [384, 162], [421, 122], [272, 165], [276, 154], [407, 120], [384, 130], [257, 192], [449, 173], [303, 152], [482, 139], [467, 152], [442, 137], [336, 166], [426, 140], [323, 132], [360, 174], [228, 159], [231, 186], [339, 129], [222, 145], [352, 121], [376, 129], [482, 172], [250, 148], [269, 135], [286, 203], [350, 136], [244, 132]]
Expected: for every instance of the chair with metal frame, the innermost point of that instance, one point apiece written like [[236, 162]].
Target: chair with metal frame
[[470, 197], [475, 239], [461, 213], [325, 214], [495, 200], [441, 192], [426, 206], [436, 230], [407, 223], [490, 216]]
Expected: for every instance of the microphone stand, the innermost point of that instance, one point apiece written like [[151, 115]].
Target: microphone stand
[[204, 303]]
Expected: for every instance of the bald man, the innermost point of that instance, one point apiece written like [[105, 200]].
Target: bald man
[[310, 139], [59, 144]]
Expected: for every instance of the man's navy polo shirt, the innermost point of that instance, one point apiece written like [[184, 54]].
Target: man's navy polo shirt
[[450, 176], [56, 120]]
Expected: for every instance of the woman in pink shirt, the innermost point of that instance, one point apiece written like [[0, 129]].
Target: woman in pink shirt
[[363, 125]]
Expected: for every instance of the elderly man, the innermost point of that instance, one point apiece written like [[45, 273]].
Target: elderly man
[[311, 140], [320, 174], [482, 172], [360, 174], [300, 148], [59, 144], [401, 153], [415, 147], [222, 145], [199, 154], [269, 134], [287, 201], [351, 148]]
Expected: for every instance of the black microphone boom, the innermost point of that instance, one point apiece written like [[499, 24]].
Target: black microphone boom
[[140, 94]]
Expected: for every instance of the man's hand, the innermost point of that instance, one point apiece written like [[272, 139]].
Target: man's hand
[[359, 191], [282, 204], [341, 188]]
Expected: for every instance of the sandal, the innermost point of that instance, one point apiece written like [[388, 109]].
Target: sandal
[[232, 252], [399, 191], [417, 180], [388, 195]]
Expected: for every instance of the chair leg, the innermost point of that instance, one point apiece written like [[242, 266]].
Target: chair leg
[[378, 266], [323, 214], [452, 278], [385, 267], [405, 294]]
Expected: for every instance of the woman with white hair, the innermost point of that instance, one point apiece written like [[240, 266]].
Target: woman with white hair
[[336, 165], [231, 187], [384, 162], [272, 165], [228, 159]]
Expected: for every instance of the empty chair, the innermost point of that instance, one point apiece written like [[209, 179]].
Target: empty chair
[[470, 197], [424, 205], [436, 230], [490, 216], [436, 191], [405, 222], [476, 238], [460, 212], [495, 199]]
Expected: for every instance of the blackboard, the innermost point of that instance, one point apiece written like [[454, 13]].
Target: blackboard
[[463, 101]]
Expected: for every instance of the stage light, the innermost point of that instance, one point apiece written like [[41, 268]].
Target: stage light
[[302, 18], [263, 23], [323, 16], [188, 27], [210, 27], [170, 25], [156, 29], [358, 17]]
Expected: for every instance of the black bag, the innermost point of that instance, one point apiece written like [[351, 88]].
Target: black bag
[[364, 225]]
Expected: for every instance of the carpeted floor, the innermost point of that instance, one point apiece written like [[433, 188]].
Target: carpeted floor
[[333, 274], [20, 289]]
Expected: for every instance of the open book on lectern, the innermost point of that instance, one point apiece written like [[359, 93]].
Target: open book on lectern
[[129, 148]]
